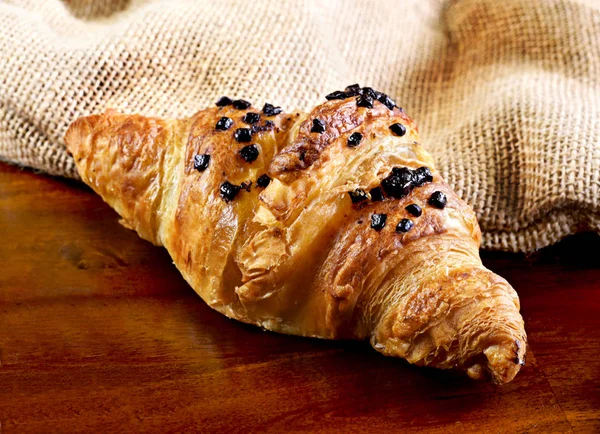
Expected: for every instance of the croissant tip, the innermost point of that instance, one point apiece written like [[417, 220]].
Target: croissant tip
[[82, 127], [502, 362], [78, 131]]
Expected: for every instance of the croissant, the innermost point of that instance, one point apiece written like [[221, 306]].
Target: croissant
[[331, 224]]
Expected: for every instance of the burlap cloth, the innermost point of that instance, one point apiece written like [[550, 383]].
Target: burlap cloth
[[506, 93]]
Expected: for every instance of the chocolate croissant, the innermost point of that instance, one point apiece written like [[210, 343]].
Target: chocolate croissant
[[331, 224]]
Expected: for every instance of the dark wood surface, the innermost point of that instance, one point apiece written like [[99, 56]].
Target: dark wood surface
[[99, 333]]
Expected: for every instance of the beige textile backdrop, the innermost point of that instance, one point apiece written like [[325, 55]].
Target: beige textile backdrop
[[506, 93]]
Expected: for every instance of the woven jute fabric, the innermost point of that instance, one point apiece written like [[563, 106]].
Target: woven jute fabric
[[506, 93]]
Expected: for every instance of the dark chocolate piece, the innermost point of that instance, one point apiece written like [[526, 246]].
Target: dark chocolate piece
[[414, 210], [224, 124], [249, 153], [224, 101], [398, 129], [421, 176], [271, 110], [251, 118], [263, 181], [241, 104], [404, 225], [354, 140], [242, 135], [318, 126], [364, 101], [378, 221], [353, 90], [399, 183], [229, 191], [358, 195], [376, 194], [201, 162], [338, 94], [438, 200]]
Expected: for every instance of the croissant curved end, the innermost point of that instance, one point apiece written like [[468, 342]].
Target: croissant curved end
[[503, 361], [474, 325]]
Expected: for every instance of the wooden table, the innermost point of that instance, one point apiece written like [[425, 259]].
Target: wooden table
[[99, 333]]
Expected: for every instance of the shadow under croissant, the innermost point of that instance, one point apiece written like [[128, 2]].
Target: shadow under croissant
[[251, 358]]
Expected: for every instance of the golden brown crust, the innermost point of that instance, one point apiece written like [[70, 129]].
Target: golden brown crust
[[132, 149], [340, 117], [298, 256]]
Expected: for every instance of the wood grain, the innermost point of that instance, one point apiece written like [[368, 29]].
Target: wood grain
[[99, 333]]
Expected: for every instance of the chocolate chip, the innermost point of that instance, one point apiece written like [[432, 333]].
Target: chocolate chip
[[358, 195], [387, 101], [438, 200], [223, 101], [398, 129], [242, 135], [263, 181], [404, 173], [229, 191], [271, 110], [249, 153], [378, 221], [421, 176], [241, 104], [369, 92], [353, 90], [364, 101], [251, 118], [414, 209], [376, 194], [405, 225], [201, 162], [269, 125], [354, 140], [246, 185], [399, 183], [338, 94], [224, 124], [318, 126]]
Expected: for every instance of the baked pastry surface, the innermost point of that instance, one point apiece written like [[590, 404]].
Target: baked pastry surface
[[331, 224]]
